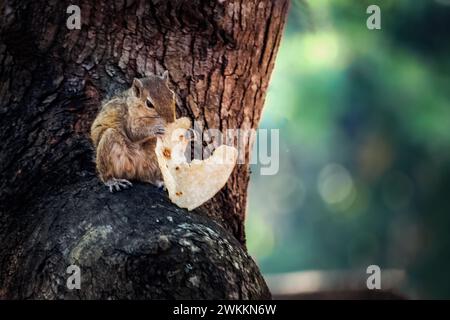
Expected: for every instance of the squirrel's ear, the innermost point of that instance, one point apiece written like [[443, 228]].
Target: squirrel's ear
[[165, 75], [137, 87]]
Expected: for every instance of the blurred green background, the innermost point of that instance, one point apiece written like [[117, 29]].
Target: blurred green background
[[364, 120]]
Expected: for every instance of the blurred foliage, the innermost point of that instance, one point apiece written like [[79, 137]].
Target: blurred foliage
[[364, 121]]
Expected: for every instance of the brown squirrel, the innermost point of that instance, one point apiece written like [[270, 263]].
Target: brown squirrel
[[125, 130]]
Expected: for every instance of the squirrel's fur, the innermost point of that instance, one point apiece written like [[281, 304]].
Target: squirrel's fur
[[125, 130]]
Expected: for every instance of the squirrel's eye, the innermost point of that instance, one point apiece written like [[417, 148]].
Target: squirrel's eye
[[149, 104]]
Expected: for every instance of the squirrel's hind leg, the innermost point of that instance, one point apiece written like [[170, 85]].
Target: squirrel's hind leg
[[118, 184], [112, 161]]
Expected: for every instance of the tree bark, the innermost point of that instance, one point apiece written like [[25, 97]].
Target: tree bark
[[219, 54]]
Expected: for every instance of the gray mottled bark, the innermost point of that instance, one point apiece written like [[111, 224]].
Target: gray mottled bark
[[134, 244]]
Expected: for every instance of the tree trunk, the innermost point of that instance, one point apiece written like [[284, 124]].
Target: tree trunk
[[53, 212]]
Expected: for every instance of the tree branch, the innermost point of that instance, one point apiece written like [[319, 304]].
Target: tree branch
[[134, 244]]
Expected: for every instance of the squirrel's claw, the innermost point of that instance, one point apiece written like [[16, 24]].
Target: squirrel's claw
[[118, 184], [159, 184], [160, 130]]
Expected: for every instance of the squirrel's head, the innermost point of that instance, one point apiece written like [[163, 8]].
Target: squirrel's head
[[155, 93]]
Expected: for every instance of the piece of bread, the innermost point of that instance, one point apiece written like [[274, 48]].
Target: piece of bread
[[190, 184]]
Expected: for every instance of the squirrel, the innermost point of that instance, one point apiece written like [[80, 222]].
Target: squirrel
[[124, 132]]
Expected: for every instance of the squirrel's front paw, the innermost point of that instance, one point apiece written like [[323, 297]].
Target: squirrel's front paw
[[159, 130], [118, 184], [159, 184]]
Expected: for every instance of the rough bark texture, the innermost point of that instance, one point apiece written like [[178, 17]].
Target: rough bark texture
[[149, 250], [52, 80]]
